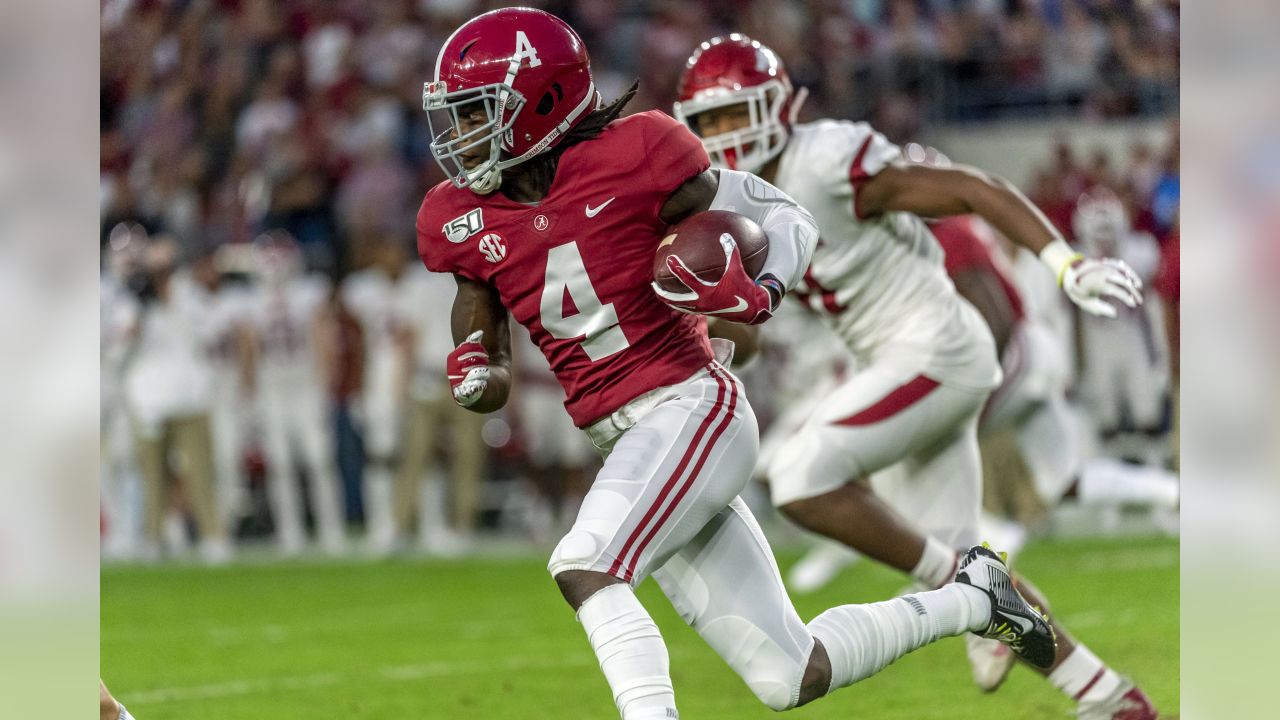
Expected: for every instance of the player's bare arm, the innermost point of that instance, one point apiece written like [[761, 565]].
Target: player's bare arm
[[931, 191], [479, 318], [984, 292], [694, 196]]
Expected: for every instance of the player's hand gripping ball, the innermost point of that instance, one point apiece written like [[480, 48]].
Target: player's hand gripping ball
[[708, 263], [468, 369]]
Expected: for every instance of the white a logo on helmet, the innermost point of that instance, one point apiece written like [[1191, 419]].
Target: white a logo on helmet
[[525, 50], [493, 247]]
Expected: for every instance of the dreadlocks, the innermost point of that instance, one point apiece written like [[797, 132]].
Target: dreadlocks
[[542, 168]]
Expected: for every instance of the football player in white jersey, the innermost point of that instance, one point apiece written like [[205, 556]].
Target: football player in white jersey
[[288, 313], [370, 294], [121, 485], [1126, 368], [926, 359]]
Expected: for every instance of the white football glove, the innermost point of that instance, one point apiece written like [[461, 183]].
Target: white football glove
[[468, 370], [1093, 284]]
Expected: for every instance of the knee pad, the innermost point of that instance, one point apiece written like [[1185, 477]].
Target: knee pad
[[773, 673], [578, 550]]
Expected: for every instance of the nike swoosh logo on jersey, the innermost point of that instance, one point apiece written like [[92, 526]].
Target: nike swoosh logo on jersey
[[593, 211], [742, 305]]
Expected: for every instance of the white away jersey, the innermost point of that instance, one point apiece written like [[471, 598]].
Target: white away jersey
[[282, 319], [879, 281]]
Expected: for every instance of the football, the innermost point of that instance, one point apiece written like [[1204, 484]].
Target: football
[[696, 240]]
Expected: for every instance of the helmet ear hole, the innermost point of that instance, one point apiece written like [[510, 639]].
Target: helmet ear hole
[[548, 101]]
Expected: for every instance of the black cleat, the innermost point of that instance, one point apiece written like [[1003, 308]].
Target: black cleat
[[1014, 621]]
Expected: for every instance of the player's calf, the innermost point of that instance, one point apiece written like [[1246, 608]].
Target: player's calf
[[627, 643]]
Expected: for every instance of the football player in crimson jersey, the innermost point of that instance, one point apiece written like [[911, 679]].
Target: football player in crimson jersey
[[926, 360], [552, 215]]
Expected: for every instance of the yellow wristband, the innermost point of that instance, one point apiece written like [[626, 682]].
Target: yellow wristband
[[1058, 255]]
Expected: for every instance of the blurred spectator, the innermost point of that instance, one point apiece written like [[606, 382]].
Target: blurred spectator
[[346, 378], [225, 119]]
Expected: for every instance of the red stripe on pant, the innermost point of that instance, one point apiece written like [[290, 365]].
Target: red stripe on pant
[[901, 398], [670, 484], [725, 419]]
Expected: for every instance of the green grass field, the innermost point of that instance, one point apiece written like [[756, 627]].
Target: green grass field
[[492, 639]]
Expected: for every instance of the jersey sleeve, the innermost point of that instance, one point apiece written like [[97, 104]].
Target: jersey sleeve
[[874, 153], [673, 154], [841, 156], [434, 249]]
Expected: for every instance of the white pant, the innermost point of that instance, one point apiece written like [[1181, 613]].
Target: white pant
[[1126, 369], [914, 436], [294, 421], [666, 502]]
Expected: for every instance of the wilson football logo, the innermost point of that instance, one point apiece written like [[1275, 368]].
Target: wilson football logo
[[493, 247], [463, 227]]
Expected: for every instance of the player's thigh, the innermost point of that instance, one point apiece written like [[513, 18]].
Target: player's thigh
[[725, 584], [664, 479], [877, 418], [938, 487]]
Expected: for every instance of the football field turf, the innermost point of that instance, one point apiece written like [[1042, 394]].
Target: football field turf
[[491, 639]]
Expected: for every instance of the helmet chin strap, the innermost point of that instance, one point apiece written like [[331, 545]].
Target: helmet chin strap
[[793, 112]]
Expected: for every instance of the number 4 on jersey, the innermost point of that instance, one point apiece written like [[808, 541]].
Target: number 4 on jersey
[[595, 323]]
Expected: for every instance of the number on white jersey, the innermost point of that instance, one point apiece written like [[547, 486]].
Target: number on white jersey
[[596, 323]]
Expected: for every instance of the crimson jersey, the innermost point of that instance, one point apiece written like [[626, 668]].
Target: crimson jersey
[[966, 249], [575, 268]]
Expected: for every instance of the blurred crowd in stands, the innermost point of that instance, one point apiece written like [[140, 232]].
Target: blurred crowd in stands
[[224, 122]]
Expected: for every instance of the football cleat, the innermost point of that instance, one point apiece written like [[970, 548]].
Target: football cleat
[[1014, 621], [1128, 702], [990, 660]]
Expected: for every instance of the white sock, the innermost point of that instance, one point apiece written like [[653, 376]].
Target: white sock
[[937, 566], [631, 653], [1083, 677], [861, 640], [124, 714]]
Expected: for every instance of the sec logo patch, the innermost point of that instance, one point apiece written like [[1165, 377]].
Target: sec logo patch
[[493, 247]]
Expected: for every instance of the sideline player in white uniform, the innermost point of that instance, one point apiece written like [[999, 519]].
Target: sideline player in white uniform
[[926, 359], [553, 198], [121, 484], [289, 316], [371, 296]]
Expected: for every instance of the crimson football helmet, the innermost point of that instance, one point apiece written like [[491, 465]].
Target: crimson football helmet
[[731, 70], [527, 72], [277, 257]]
